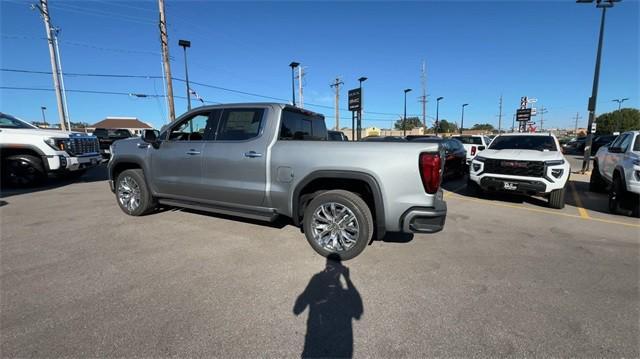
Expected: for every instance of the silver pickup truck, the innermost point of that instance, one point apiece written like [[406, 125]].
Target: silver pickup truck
[[262, 161]]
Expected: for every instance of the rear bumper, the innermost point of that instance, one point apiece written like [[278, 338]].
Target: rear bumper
[[424, 219]]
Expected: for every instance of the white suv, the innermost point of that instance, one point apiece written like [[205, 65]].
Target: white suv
[[617, 166], [523, 163], [29, 153], [473, 144]]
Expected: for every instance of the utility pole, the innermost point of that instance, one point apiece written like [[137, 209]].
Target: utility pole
[[577, 118], [164, 42], [542, 111], [423, 98], [64, 92], [513, 123], [336, 85], [44, 11], [500, 117]]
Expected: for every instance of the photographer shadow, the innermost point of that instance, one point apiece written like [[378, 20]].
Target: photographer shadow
[[333, 304]]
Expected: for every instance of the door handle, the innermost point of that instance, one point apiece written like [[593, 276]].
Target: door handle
[[193, 152], [252, 154], [143, 145]]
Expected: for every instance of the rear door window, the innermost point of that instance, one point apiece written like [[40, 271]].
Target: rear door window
[[240, 124], [302, 126]]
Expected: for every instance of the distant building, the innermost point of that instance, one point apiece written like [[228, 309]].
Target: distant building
[[130, 123]]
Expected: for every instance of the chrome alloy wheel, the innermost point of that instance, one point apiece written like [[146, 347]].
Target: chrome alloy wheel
[[129, 194], [334, 227]]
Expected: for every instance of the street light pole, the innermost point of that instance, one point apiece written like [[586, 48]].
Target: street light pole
[[404, 119], [437, 114], [44, 119], [620, 101], [293, 66], [462, 119], [603, 4], [185, 44]]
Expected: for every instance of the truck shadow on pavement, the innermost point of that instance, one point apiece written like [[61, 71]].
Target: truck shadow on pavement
[[95, 174], [332, 307]]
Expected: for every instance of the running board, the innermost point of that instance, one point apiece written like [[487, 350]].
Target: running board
[[267, 215]]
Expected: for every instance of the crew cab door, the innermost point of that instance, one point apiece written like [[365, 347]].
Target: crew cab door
[[176, 165], [612, 159], [235, 161]]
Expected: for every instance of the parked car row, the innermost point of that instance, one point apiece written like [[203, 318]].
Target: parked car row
[[576, 146]]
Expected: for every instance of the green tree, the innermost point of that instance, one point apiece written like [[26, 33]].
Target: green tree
[[412, 122], [446, 127], [483, 127], [622, 120]]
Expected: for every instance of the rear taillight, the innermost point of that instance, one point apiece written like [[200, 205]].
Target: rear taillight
[[473, 150], [430, 171]]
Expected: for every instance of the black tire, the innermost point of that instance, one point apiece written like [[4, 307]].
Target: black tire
[[556, 198], [615, 191], [132, 179], [596, 182], [23, 171], [474, 189], [358, 208]]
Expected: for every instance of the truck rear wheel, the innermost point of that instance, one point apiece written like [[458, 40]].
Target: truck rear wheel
[[23, 170], [556, 198], [132, 193], [338, 223]]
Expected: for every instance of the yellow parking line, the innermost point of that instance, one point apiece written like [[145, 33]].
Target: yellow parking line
[[583, 212], [555, 213], [449, 193]]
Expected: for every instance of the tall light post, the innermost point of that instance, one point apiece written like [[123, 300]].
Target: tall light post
[[404, 119], [602, 4], [359, 134], [619, 115], [462, 119], [185, 44], [620, 101], [44, 119], [438, 114], [293, 66]]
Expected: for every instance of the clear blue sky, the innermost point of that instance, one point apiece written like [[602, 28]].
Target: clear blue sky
[[475, 51]]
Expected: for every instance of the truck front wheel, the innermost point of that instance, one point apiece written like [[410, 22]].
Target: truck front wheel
[[556, 198], [23, 170], [132, 193], [338, 223]]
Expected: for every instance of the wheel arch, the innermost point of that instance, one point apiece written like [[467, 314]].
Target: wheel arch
[[360, 183]]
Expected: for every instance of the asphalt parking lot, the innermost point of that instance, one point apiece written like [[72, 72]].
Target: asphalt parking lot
[[507, 277]]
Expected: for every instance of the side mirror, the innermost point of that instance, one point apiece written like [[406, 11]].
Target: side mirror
[[480, 148], [151, 136], [615, 149]]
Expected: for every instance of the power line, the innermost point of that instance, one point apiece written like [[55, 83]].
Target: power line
[[199, 84]]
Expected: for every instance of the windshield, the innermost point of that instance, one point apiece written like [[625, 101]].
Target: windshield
[[7, 121], [469, 140], [636, 145], [537, 143]]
